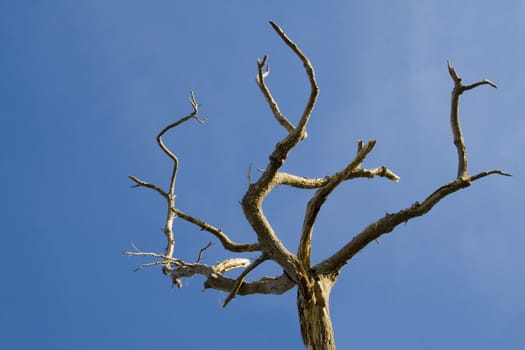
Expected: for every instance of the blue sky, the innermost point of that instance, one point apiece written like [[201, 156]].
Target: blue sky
[[86, 86]]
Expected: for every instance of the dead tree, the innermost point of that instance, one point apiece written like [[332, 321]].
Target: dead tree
[[313, 282]]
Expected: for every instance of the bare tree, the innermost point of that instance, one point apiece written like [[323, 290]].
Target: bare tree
[[313, 282]]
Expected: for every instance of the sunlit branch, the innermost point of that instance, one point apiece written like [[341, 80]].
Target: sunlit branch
[[314, 205], [287, 179], [459, 142], [311, 76], [241, 278], [263, 70], [390, 221], [226, 242]]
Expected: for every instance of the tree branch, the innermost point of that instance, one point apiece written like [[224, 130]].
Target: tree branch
[[166, 150], [459, 142], [287, 179], [140, 183], [241, 278], [170, 195], [314, 205], [263, 70], [216, 279], [387, 223], [252, 200], [311, 76], [227, 243], [266, 285]]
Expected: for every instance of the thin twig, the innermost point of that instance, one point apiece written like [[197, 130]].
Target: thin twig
[[170, 195], [140, 183], [489, 172], [459, 142], [202, 251], [311, 77], [263, 70], [227, 243], [165, 258], [192, 115], [168, 228], [148, 265], [241, 278]]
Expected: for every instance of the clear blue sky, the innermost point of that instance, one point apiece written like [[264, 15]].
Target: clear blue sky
[[86, 85]]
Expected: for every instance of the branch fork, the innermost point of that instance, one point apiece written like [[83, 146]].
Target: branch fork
[[459, 142]]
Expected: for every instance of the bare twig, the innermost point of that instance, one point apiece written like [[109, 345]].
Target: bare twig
[[227, 243], [166, 150], [241, 278], [487, 173], [262, 72], [148, 265], [170, 195], [249, 174], [165, 258], [140, 183], [311, 76], [459, 142], [202, 251]]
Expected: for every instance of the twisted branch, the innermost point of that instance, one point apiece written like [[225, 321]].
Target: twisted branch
[[170, 194]]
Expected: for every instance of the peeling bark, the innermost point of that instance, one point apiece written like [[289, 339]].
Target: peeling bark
[[314, 315]]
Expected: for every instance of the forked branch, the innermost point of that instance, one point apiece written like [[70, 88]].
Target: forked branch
[[170, 194], [314, 88], [252, 200], [390, 221], [386, 224], [314, 205], [459, 142]]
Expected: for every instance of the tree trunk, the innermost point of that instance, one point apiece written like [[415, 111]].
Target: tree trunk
[[314, 315]]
